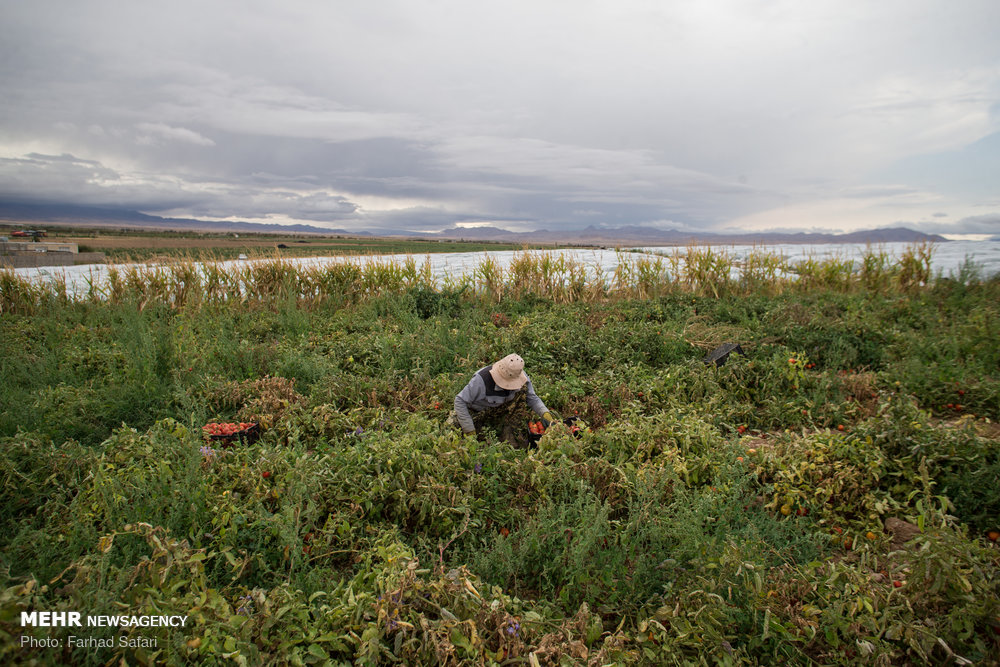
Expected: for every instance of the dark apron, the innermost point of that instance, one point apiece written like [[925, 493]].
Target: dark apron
[[509, 421]]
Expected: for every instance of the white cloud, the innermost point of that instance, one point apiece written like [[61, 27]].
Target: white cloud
[[155, 133], [723, 114], [870, 209]]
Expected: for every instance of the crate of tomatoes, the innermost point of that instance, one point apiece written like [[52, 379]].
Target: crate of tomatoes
[[535, 432], [227, 433], [537, 429], [575, 425]]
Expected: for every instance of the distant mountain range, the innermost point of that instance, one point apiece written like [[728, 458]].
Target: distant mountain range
[[638, 235], [85, 216]]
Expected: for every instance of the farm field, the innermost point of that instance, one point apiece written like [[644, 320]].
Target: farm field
[[830, 497], [140, 246]]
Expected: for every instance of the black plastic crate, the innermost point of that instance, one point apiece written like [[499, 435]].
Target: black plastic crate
[[720, 355], [247, 436]]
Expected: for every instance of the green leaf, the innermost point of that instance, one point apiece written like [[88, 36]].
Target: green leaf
[[460, 640], [317, 651]]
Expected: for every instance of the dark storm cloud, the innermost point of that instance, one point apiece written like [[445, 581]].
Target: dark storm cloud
[[419, 115], [979, 224], [66, 178], [975, 224]]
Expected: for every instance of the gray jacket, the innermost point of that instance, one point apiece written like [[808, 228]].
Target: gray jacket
[[482, 393]]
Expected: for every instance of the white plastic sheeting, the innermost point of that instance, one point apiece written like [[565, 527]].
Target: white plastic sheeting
[[947, 259]]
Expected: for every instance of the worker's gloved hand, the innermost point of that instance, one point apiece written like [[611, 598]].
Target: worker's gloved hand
[[547, 419], [468, 434]]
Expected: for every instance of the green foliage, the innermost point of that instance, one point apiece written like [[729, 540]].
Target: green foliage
[[730, 515]]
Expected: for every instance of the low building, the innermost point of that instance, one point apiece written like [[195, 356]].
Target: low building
[[22, 254], [42, 246]]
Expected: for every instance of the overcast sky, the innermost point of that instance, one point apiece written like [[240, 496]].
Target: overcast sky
[[419, 115]]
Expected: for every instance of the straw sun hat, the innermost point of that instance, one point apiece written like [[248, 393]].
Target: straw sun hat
[[508, 373]]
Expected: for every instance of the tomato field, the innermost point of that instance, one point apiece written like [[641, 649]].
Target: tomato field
[[829, 497]]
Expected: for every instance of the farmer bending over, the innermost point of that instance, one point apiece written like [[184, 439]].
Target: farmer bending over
[[499, 396]]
